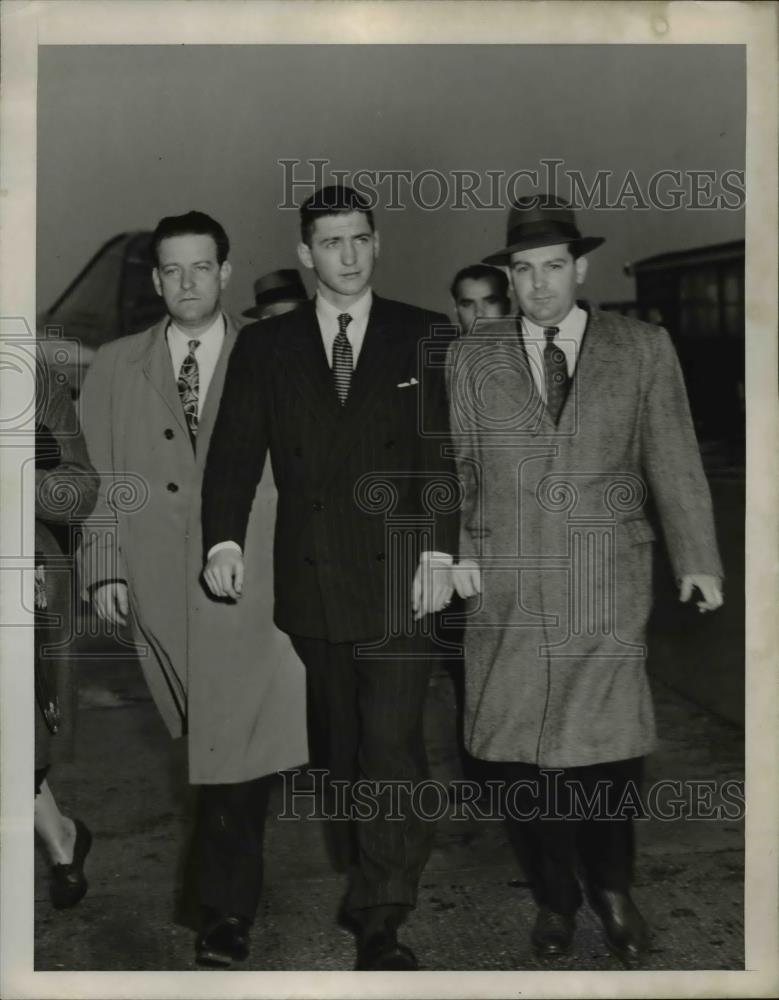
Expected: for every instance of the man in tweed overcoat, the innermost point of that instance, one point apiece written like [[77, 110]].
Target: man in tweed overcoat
[[571, 426]]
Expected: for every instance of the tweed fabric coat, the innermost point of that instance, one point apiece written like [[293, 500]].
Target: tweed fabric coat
[[219, 671], [557, 517]]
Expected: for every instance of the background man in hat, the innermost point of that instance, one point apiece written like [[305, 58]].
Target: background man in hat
[[479, 291], [148, 406], [276, 293], [567, 422], [336, 392]]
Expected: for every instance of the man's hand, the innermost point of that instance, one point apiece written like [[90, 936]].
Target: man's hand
[[466, 578], [709, 586], [224, 573], [432, 587], [111, 602]]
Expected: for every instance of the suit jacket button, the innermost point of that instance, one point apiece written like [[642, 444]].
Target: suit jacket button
[[309, 561], [168, 433], [172, 488], [381, 557], [317, 506]]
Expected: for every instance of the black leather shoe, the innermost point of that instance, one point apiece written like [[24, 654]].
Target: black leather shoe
[[68, 883], [223, 940], [552, 935], [383, 952], [624, 928]]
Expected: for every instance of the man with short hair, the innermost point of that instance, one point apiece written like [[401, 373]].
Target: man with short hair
[[354, 421], [565, 427], [148, 405], [479, 292]]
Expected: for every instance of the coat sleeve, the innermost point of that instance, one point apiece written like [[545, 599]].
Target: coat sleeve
[[67, 490], [239, 442], [100, 557], [673, 467], [465, 438]]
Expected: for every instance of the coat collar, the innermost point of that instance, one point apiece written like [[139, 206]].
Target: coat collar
[[154, 359]]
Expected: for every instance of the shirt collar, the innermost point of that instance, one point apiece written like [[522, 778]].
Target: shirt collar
[[572, 326], [216, 327], [357, 310]]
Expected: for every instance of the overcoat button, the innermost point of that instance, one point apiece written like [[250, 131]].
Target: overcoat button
[[317, 506], [172, 488], [168, 433]]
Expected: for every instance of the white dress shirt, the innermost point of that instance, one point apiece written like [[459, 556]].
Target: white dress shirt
[[569, 340], [327, 316], [207, 354]]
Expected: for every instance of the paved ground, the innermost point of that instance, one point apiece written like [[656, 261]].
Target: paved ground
[[475, 911]]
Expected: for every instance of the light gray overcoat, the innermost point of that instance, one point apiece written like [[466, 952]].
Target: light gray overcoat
[[557, 518], [221, 672]]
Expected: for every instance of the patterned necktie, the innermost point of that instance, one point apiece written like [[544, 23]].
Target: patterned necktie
[[556, 371], [189, 386], [342, 359]]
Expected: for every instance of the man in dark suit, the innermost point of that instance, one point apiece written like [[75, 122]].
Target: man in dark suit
[[355, 422], [566, 420]]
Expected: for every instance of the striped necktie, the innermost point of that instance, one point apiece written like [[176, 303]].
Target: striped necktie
[[188, 384], [556, 372], [343, 360]]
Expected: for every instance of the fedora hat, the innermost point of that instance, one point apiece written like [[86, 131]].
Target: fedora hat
[[277, 286], [542, 221]]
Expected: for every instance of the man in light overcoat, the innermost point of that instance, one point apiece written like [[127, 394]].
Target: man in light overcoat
[[574, 441], [219, 672]]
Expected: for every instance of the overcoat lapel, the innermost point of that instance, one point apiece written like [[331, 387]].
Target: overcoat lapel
[[593, 377], [156, 366]]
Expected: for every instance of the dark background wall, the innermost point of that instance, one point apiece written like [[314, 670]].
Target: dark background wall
[[127, 134]]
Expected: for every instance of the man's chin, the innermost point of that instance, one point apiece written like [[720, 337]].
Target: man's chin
[[190, 317]]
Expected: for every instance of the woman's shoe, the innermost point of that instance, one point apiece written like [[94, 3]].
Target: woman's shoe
[[68, 884]]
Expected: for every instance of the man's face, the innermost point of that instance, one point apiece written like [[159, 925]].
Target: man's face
[[476, 298], [343, 253], [545, 280], [190, 280]]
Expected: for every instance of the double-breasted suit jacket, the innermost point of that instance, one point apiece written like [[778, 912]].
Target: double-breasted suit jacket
[[217, 670], [557, 516], [347, 476]]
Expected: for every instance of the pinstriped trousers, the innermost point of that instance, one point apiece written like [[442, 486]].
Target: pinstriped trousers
[[366, 721]]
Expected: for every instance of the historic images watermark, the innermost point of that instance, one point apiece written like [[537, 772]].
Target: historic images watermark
[[435, 190], [547, 798]]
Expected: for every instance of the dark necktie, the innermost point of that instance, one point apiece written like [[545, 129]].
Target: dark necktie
[[189, 387], [556, 371], [342, 359]]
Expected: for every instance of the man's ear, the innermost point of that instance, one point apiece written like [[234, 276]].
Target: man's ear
[[155, 277], [225, 270], [304, 255], [581, 270]]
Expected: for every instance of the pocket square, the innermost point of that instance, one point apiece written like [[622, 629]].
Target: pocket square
[[405, 385]]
